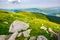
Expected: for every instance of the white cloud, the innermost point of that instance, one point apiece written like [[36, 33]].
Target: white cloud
[[17, 4], [19, 0], [15, 1], [11, 0]]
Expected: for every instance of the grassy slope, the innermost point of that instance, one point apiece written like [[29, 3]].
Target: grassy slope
[[54, 19], [34, 20]]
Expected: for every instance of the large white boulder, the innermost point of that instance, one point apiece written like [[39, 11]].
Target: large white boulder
[[27, 33], [18, 26], [32, 38], [41, 38], [13, 36]]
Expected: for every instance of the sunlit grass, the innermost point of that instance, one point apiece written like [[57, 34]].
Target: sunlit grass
[[35, 21]]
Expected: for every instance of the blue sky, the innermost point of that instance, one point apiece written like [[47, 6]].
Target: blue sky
[[28, 4]]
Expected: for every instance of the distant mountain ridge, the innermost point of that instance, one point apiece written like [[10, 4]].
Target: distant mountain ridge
[[53, 11]]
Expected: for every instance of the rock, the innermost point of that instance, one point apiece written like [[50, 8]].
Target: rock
[[18, 26], [59, 35], [53, 34], [32, 38], [3, 37], [19, 34], [26, 39], [13, 36], [26, 33], [41, 38], [5, 22], [43, 27], [47, 31], [50, 30]]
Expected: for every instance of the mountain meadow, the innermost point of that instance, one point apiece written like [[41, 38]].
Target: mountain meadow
[[35, 21]]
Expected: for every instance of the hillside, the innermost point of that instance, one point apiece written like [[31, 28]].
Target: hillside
[[54, 19], [35, 21]]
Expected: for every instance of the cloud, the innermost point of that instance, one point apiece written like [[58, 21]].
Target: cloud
[[11, 0], [14, 1], [14, 4]]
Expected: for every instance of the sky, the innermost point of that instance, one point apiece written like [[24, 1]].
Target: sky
[[21, 4]]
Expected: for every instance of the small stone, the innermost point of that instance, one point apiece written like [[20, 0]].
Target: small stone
[[43, 27], [26, 33], [47, 31], [19, 34], [59, 35], [32, 38], [13, 36], [53, 34], [26, 39], [50, 30], [3, 37], [41, 38], [5, 22]]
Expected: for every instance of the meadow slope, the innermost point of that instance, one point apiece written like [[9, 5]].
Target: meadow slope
[[34, 20]]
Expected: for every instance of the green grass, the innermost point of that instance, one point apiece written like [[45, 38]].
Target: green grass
[[34, 20]]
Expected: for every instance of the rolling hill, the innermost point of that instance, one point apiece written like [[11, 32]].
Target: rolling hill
[[52, 11], [35, 21]]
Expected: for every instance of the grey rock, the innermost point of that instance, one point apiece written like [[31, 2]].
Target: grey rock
[[27, 33], [59, 35], [19, 34], [41, 37], [53, 34], [13, 36], [43, 27], [4, 37], [32, 38], [26, 39], [18, 26]]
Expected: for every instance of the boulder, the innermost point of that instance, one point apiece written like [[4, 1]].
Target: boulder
[[3, 37], [13, 36], [43, 27], [26, 39], [53, 34], [41, 37], [18, 26], [27, 33], [19, 34], [32, 38], [59, 35]]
